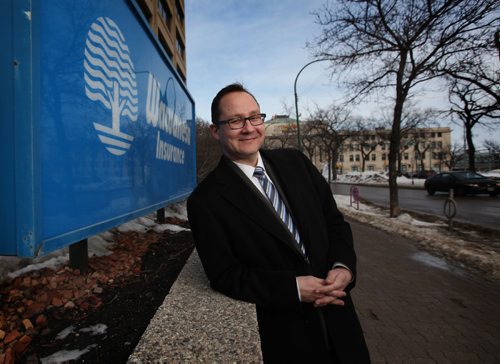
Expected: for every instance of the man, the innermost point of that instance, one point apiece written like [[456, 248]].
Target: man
[[268, 231]]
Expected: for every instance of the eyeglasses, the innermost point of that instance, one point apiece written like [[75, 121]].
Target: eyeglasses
[[238, 123]]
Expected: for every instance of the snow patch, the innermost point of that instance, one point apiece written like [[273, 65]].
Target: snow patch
[[99, 329], [65, 333], [430, 260], [376, 178], [164, 227], [53, 262], [65, 356]]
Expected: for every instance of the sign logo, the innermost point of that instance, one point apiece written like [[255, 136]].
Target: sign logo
[[110, 79]]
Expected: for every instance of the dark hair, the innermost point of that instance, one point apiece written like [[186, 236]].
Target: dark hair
[[234, 87]]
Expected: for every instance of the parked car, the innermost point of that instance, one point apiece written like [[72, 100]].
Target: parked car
[[493, 174], [420, 174], [463, 182]]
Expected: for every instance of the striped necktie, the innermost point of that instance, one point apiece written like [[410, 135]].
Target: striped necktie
[[279, 206]]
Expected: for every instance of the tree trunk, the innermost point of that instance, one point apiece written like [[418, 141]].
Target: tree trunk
[[334, 161], [471, 152], [399, 163], [329, 167], [396, 138]]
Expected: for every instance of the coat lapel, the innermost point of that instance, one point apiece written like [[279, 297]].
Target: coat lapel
[[296, 196], [240, 192]]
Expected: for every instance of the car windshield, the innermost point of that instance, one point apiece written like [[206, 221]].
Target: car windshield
[[469, 175]]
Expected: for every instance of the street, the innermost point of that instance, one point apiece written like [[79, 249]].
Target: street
[[480, 210]]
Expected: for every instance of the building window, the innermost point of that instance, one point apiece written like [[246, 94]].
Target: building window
[[439, 134], [357, 157], [433, 144], [178, 10], [440, 144], [371, 168], [406, 156], [354, 168], [341, 157], [374, 157], [180, 47], [351, 158], [383, 156], [165, 12]]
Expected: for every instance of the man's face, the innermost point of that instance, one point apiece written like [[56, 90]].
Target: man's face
[[239, 145]]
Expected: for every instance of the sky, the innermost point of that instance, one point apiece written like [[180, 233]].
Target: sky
[[262, 44]]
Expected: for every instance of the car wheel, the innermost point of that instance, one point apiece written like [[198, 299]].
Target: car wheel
[[430, 191]]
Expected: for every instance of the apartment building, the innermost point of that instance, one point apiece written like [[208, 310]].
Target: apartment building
[[367, 150], [420, 149], [166, 18]]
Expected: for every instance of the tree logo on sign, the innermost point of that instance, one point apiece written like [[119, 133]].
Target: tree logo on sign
[[110, 79]]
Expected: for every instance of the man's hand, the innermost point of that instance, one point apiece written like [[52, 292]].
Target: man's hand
[[308, 286], [334, 288]]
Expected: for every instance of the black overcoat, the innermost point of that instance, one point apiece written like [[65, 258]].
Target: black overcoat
[[249, 255]]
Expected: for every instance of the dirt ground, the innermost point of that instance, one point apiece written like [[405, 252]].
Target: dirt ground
[[126, 308]]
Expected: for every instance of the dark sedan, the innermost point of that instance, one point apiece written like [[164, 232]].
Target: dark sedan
[[464, 182]]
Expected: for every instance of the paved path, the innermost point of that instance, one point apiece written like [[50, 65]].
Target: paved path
[[414, 308]]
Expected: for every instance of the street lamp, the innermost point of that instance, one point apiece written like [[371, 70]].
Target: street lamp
[[296, 98]]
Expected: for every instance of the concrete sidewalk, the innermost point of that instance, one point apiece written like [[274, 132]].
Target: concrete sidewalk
[[414, 308]]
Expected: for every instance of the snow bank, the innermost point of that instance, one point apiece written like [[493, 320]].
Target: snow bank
[[376, 178], [433, 237]]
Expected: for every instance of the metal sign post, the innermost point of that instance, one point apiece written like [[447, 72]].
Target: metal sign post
[[79, 256], [450, 209], [354, 196]]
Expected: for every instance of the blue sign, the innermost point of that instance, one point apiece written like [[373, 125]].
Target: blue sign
[[100, 129]]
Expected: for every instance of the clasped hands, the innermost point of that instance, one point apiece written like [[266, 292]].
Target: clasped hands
[[328, 291]]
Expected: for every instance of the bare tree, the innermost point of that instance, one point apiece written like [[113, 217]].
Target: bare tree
[[310, 141], [208, 150], [397, 45], [332, 126], [452, 155], [479, 66], [493, 148], [473, 106], [365, 139], [286, 138]]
